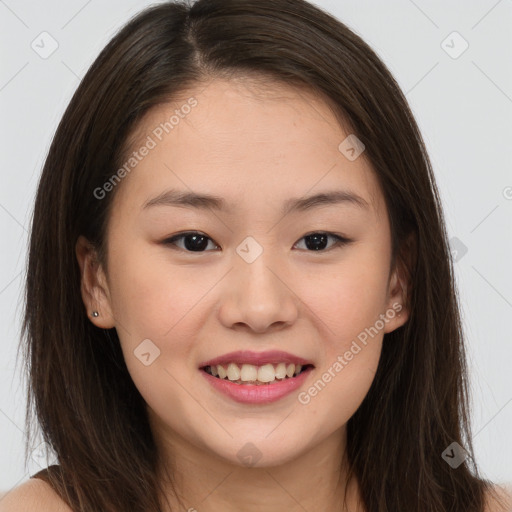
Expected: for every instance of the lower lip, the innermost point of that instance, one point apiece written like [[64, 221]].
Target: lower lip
[[257, 394]]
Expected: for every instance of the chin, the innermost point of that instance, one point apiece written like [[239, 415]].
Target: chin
[[260, 453]]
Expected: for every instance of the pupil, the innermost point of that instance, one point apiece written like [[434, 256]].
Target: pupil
[[194, 245], [318, 241]]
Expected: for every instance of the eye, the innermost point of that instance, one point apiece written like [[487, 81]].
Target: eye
[[195, 241], [317, 241]]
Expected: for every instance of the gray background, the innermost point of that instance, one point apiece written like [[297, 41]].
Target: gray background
[[462, 102]]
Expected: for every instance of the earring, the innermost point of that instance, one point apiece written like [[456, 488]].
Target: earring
[[95, 314]]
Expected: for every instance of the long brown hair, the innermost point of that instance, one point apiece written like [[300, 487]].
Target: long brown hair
[[88, 408]]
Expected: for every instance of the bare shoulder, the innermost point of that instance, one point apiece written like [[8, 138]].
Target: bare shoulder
[[503, 502], [35, 495]]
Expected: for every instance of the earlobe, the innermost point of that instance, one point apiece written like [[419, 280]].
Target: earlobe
[[93, 285]]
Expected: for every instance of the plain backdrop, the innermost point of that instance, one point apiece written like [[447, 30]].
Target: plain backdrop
[[453, 61]]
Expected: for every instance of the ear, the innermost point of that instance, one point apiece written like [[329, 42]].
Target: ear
[[398, 303], [94, 287]]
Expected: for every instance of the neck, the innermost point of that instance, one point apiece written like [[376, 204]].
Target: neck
[[201, 481]]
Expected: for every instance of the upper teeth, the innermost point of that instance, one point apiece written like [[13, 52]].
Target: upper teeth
[[249, 372]]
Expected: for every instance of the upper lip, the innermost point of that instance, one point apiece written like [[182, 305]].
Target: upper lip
[[256, 358]]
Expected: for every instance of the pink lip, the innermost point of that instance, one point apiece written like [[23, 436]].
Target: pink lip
[[256, 358], [257, 394]]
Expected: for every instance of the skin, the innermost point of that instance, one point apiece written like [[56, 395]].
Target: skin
[[256, 151]]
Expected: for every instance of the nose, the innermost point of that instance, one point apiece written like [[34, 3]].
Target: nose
[[258, 297]]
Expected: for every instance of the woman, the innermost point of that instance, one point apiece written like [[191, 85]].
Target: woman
[[240, 293]]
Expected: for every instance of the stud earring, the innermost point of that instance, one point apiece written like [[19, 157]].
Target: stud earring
[[95, 314]]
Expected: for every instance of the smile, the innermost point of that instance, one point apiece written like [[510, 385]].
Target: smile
[[256, 377], [249, 374]]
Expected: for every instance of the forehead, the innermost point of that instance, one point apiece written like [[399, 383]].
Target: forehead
[[241, 106], [241, 139]]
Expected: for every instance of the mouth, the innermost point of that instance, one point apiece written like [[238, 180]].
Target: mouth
[[256, 378], [255, 375]]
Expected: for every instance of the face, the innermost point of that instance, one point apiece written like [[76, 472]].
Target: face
[[256, 271]]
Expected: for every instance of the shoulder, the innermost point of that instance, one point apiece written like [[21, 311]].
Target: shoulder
[[500, 500], [35, 495]]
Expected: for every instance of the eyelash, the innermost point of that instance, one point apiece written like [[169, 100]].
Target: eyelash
[[340, 240]]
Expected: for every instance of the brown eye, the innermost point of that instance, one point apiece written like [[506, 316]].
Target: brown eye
[[193, 241], [318, 241]]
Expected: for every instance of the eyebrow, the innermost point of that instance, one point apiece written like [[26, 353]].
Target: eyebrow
[[185, 199]]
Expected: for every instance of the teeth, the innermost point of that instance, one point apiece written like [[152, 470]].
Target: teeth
[[248, 372], [281, 371], [255, 374], [220, 370], [266, 373], [233, 371]]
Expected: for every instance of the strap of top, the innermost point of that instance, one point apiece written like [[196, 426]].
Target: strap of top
[[44, 474], [52, 475]]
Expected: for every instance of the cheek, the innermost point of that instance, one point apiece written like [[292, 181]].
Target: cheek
[[339, 388], [151, 295], [154, 305], [348, 306], [154, 308], [349, 352], [347, 298]]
